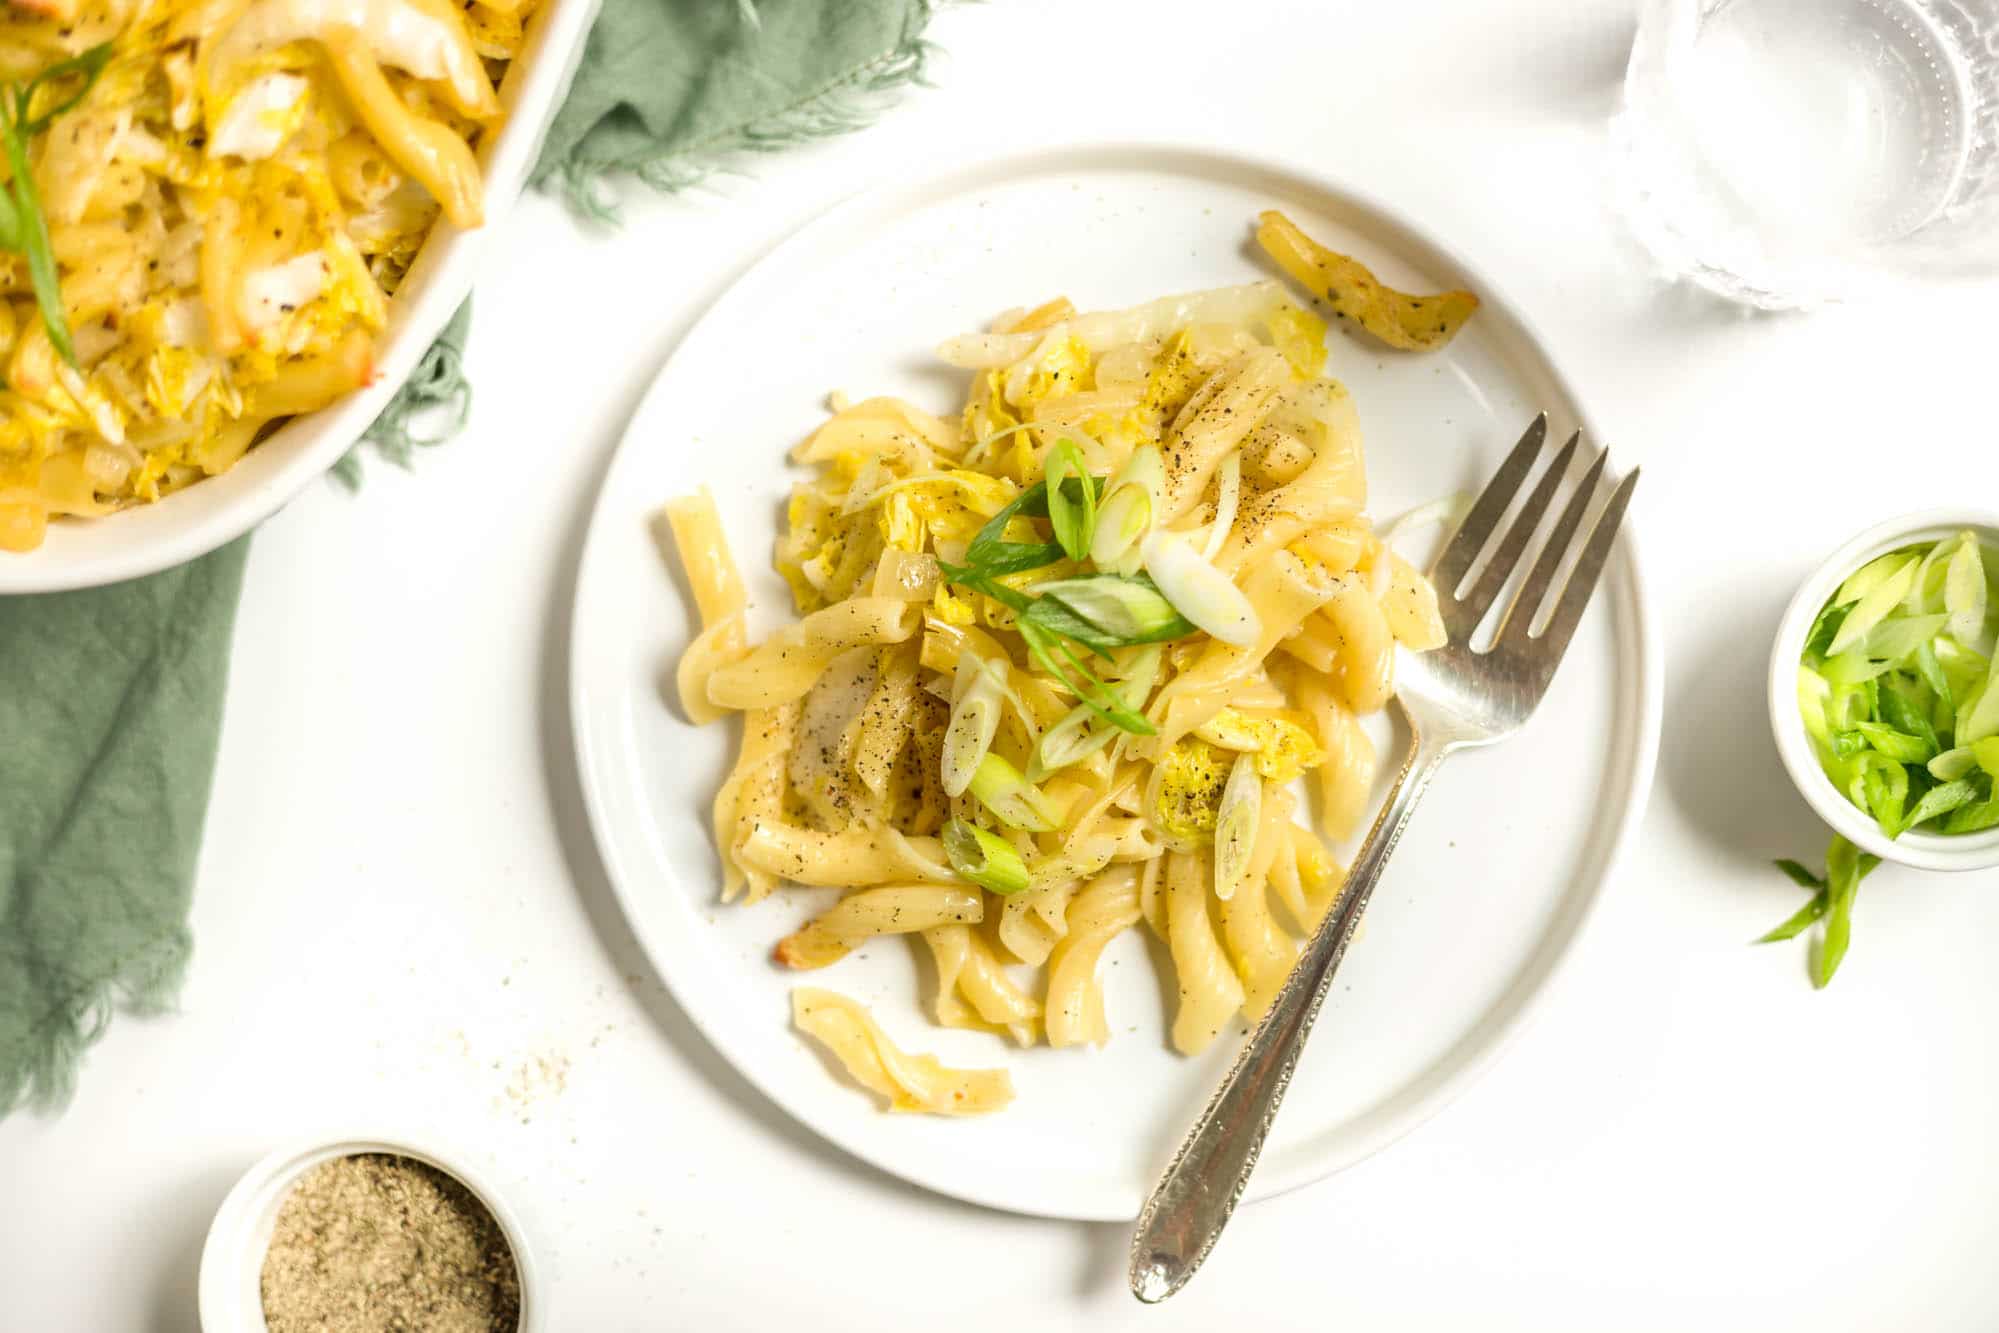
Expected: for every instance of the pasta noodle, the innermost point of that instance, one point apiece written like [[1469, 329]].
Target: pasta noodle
[[1262, 951], [1096, 916], [1209, 992], [1013, 790], [908, 1082], [860, 916], [231, 202], [784, 666], [973, 989]]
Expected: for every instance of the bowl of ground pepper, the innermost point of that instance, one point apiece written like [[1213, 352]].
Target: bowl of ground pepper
[[365, 1235]]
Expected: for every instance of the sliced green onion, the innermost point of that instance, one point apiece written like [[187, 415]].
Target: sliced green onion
[[1855, 667], [1797, 924], [1897, 745], [1820, 639], [1952, 764], [992, 554], [1128, 610], [1898, 636], [1199, 591], [975, 717], [1121, 523], [1072, 740], [1845, 867], [1130, 500], [1073, 516], [1974, 818], [1875, 606], [1235, 826], [1872, 575], [1881, 788], [984, 858], [1798, 875], [1080, 682], [1014, 800], [1964, 596], [1075, 738], [1941, 799], [1905, 705], [1831, 901], [1926, 587], [1814, 694], [1982, 716], [1932, 672]]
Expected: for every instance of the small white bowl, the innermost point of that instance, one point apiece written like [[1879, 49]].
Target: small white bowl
[[232, 1258], [1924, 851]]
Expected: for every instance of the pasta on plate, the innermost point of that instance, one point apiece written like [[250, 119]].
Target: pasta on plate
[[217, 199], [1075, 661]]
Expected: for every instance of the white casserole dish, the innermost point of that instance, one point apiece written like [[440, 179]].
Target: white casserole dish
[[83, 553]]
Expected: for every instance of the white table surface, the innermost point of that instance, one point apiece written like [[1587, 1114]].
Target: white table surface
[[401, 921]]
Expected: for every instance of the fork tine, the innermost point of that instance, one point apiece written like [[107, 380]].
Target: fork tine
[[1582, 582], [1507, 557], [1520, 616], [1457, 557]]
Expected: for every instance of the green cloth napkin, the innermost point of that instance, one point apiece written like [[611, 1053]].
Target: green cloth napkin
[[111, 699]]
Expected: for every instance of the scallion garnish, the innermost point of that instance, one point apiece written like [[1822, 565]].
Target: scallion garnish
[[1130, 610], [975, 718], [1014, 801], [1073, 739], [1125, 515], [1073, 515], [1102, 612], [984, 858], [1235, 825]]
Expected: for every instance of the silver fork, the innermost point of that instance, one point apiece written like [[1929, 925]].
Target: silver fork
[[1455, 698]]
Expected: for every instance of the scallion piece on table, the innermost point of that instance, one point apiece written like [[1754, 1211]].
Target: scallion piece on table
[[1831, 902]]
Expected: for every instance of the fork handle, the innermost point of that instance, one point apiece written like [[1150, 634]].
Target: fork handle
[[1193, 1201]]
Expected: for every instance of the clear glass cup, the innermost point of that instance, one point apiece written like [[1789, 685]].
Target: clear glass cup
[[1790, 153]]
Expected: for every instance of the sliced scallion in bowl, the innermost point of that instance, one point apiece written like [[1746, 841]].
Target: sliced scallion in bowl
[[1896, 688]]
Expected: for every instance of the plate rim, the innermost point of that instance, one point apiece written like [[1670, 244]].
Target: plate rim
[[1188, 159]]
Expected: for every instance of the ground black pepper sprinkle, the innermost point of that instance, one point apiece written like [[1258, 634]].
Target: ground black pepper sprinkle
[[375, 1243]]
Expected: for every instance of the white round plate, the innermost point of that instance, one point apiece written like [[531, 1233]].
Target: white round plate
[[1487, 891]]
